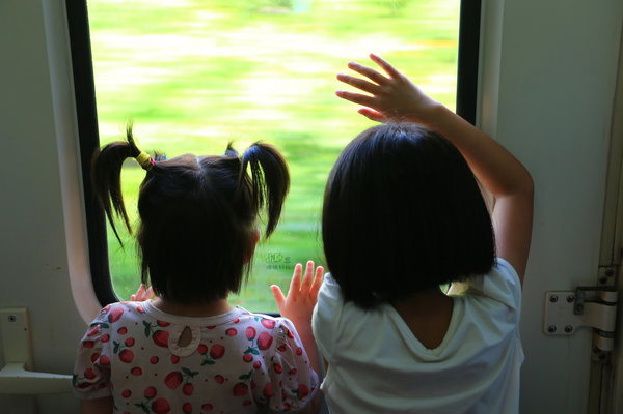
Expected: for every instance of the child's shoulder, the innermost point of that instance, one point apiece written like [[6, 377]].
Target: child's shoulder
[[501, 284], [274, 324], [114, 311]]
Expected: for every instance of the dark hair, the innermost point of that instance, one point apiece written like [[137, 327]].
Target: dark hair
[[403, 213], [196, 215]]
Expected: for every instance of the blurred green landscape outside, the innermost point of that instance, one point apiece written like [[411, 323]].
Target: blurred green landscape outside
[[195, 74]]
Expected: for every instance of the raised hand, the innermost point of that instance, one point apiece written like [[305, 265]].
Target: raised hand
[[298, 306], [390, 97]]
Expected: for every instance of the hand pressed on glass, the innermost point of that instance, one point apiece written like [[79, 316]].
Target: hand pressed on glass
[[303, 294]]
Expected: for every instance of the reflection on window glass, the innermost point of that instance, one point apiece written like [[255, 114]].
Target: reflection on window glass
[[195, 74]]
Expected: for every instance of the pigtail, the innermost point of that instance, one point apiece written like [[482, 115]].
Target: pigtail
[[270, 180], [106, 171]]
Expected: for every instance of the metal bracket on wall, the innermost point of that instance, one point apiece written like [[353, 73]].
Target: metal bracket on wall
[[16, 376], [595, 307]]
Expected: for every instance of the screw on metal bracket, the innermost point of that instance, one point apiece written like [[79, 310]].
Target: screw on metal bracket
[[568, 329], [570, 298], [553, 298], [12, 318], [609, 272], [552, 328]]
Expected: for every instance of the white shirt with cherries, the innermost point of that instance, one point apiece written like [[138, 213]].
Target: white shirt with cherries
[[235, 362]]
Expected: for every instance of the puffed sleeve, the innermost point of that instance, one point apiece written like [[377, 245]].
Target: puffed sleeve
[[288, 382], [91, 376]]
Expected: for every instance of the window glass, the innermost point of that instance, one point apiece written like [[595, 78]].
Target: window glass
[[195, 74]]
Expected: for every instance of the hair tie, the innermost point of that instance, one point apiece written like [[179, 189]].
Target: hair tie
[[230, 152], [145, 161]]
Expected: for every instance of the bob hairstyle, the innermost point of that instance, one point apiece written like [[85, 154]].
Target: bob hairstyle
[[403, 213], [197, 215]]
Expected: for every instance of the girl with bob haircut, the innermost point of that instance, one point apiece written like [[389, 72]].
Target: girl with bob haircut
[[187, 349], [403, 214]]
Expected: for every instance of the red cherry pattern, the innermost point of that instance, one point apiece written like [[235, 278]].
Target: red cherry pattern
[[302, 391], [278, 368], [188, 389], [268, 323], [161, 338], [150, 392], [94, 330], [126, 356], [240, 389], [161, 406], [113, 335], [264, 341], [217, 351], [173, 380], [250, 332], [88, 373], [115, 314]]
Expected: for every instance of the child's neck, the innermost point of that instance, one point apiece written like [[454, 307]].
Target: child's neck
[[213, 308]]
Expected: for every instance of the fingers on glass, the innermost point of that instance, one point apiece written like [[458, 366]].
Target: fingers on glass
[[295, 283], [308, 276]]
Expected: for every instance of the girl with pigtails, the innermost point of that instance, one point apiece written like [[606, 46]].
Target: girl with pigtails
[[186, 349]]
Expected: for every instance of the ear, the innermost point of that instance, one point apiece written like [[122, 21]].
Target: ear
[[255, 237], [257, 233]]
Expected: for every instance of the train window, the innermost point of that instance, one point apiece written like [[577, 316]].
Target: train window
[[195, 74]]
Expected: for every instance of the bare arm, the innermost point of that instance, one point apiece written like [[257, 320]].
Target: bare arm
[[96, 406], [392, 97]]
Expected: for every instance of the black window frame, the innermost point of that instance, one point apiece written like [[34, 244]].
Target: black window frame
[[88, 129]]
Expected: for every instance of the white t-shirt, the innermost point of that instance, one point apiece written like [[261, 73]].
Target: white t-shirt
[[377, 365]]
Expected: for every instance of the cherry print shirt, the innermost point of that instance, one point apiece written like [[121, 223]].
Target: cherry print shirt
[[377, 365], [237, 362]]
